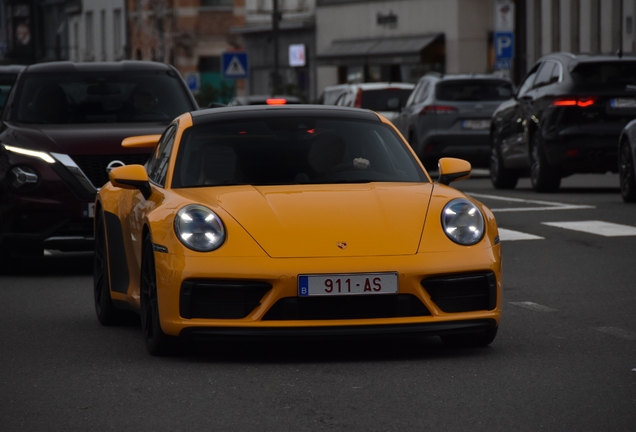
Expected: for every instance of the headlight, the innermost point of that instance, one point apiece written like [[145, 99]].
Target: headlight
[[26, 152], [462, 222], [199, 228]]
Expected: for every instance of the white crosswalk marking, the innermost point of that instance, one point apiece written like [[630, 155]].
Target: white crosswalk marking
[[510, 235], [533, 306], [606, 229], [618, 332]]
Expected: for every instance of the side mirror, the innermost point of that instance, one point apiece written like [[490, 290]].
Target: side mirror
[[143, 141], [452, 169], [131, 177]]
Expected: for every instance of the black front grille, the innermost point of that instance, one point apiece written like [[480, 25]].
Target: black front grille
[[220, 299], [463, 292], [94, 166], [346, 307]]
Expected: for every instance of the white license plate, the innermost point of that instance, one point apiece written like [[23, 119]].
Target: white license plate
[[476, 124], [347, 284], [623, 103], [89, 210]]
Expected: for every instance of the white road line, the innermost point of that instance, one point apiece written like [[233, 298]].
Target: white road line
[[533, 306], [546, 205], [618, 332], [510, 235], [605, 229]]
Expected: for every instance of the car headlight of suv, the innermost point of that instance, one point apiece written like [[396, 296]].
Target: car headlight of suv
[[462, 222], [199, 228]]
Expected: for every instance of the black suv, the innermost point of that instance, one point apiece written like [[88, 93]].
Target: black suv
[[565, 118], [60, 134]]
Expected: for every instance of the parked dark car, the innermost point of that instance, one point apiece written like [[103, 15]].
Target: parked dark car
[[8, 75], [61, 132], [449, 116], [566, 118], [626, 158], [264, 100]]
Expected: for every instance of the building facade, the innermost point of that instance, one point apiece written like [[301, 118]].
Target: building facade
[[97, 30], [268, 48], [399, 40], [189, 34]]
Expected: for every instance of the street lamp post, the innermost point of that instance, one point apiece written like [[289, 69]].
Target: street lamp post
[[275, 19]]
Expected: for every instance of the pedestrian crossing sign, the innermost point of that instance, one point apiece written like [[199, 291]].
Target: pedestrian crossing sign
[[234, 65]]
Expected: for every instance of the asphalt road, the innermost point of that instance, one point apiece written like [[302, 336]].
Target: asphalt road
[[564, 359]]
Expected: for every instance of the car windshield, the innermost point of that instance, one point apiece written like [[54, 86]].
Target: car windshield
[[474, 90], [292, 150], [77, 98], [605, 74], [389, 99]]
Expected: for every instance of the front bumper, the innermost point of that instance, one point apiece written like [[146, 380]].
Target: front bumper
[[337, 332], [419, 308], [56, 212]]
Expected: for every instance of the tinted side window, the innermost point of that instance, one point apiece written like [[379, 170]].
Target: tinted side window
[[423, 93], [414, 93], [527, 83], [157, 165], [545, 75]]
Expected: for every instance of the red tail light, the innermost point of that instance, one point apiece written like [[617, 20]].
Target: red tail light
[[275, 101], [574, 101], [358, 102], [438, 109]]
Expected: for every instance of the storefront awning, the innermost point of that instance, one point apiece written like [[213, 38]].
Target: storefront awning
[[390, 50]]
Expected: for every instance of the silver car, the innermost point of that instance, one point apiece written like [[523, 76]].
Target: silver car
[[386, 98], [450, 115]]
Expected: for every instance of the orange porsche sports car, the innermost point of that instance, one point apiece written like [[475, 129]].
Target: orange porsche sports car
[[295, 222]]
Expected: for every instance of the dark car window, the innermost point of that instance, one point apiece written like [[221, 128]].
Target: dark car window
[[474, 90], [6, 82], [615, 74], [547, 74], [378, 100], [100, 97], [292, 150], [528, 82], [157, 165], [423, 93]]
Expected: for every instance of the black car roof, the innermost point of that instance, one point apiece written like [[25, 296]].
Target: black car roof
[[11, 69], [121, 66], [255, 111], [573, 60]]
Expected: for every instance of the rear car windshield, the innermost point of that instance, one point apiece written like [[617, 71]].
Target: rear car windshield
[[474, 90], [77, 98], [390, 99], [613, 74], [297, 150]]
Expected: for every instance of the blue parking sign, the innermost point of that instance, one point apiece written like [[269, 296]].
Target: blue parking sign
[[504, 45]]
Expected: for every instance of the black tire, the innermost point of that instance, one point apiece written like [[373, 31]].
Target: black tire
[[501, 177], [157, 342], [543, 177], [470, 340], [626, 173], [107, 313]]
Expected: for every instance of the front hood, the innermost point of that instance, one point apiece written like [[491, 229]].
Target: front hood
[[318, 220], [84, 139]]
